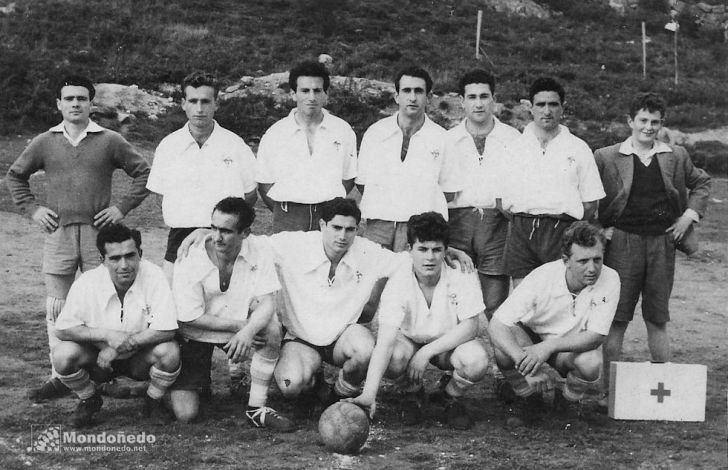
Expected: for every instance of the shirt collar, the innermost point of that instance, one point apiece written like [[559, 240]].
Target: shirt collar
[[292, 125], [203, 265], [626, 148], [189, 139], [91, 127], [108, 290], [462, 130], [394, 128], [317, 257], [530, 132]]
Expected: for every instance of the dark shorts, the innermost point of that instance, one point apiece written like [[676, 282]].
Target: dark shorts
[[119, 367], [533, 241], [482, 235], [196, 365], [294, 217], [646, 265], [174, 240], [326, 352], [391, 235]]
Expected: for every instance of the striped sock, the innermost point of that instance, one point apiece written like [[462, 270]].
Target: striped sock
[[160, 381], [80, 383], [457, 385], [261, 374], [344, 388]]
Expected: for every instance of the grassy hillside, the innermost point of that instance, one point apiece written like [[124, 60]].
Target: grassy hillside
[[594, 52]]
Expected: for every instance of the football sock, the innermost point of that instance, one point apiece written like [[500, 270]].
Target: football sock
[[261, 374], [344, 388], [237, 371], [160, 381], [457, 385], [79, 383], [518, 383], [576, 388], [54, 305]]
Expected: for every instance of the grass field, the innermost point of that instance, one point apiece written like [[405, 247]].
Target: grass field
[[223, 439]]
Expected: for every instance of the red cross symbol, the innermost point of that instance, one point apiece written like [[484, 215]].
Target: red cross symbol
[[660, 392]]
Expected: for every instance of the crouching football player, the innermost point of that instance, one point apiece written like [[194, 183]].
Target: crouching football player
[[554, 322], [428, 314], [224, 292], [119, 319]]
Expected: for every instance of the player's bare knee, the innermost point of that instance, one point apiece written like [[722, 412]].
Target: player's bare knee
[[291, 383], [470, 360], [185, 411], [398, 363], [588, 365], [65, 357], [166, 356]]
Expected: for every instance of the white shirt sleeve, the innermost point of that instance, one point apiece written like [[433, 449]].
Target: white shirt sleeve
[[163, 310], [393, 302], [247, 175], [78, 303], [452, 176], [368, 145], [470, 296], [590, 183], [264, 167], [521, 304], [156, 182], [189, 295], [604, 306], [268, 279], [350, 159]]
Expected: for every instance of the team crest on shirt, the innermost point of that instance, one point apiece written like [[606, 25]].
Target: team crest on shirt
[[337, 144], [253, 268], [454, 299], [358, 276], [227, 161], [572, 161], [147, 313], [435, 154]]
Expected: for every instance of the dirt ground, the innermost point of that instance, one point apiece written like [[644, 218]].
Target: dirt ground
[[223, 439]]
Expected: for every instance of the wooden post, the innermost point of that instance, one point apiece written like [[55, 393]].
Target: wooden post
[[477, 34], [644, 52], [675, 51]]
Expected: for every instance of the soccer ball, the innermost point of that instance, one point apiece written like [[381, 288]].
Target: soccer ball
[[344, 428]]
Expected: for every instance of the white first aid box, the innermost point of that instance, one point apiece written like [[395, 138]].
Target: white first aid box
[[663, 392]]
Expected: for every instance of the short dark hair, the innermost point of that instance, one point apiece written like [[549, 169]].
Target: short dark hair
[[581, 233], [76, 80], [476, 76], [117, 233], [199, 78], [413, 71], [428, 227], [308, 68], [340, 206], [652, 102], [546, 84], [238, 207]]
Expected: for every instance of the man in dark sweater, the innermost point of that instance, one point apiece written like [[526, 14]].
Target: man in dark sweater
[[79, 158], [654, 196]]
